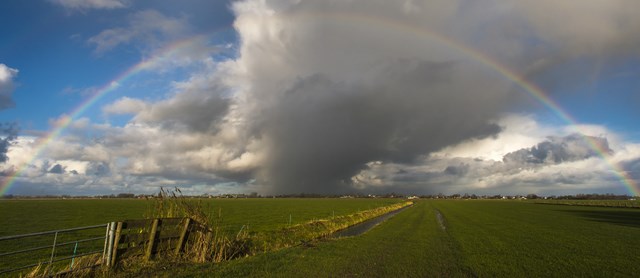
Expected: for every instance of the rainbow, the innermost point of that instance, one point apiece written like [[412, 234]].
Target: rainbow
[[158, 57], [533, 90], [481, 58]]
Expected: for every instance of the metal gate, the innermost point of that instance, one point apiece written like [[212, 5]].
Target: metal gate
[[90, 246], [54, 248]]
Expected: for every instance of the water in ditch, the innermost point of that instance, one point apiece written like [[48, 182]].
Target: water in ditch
[[361, 228]]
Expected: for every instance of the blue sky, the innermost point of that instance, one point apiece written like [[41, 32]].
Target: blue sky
[[48, 44], [301, 96]]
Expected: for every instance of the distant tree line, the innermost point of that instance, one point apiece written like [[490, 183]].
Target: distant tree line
[[593, 196]]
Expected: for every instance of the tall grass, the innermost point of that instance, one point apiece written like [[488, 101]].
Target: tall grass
[[171, 203], [210, 243], [80, 267], [207, 241]]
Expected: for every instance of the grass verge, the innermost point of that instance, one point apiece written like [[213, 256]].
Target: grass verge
[[410, 244]]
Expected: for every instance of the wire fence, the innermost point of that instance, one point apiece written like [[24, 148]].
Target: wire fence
[[53, 248], [83, 247]]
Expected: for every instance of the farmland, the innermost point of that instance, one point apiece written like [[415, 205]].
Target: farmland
[[259, 217], [593, 203], [480, 238], [495, 238], [26, 216]]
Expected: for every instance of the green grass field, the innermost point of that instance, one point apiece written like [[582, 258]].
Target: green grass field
[[481, 238], [256, 215], [594, 203], [27, 216], [451, 238]]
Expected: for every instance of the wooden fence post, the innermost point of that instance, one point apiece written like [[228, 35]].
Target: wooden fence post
[[152, 239], [183, 235], [114, 254]]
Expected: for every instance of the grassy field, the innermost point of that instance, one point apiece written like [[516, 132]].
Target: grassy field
[[452, 238], [524, 239], [261, 216], [593, 203], [27, 216], [477, 238]]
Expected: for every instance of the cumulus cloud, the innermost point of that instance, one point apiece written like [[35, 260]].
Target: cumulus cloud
[[91, 4], [560, 149], [340, 100], [9, 133], [176, 141], [124, 105], [357, 84], [205, 111], [7, 85], [557, 165], [335, 96], [57, 169]]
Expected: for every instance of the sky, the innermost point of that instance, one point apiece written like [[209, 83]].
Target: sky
[[331, 97]]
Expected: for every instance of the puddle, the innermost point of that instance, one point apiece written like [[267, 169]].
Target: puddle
[[440, 220], [361, 228]]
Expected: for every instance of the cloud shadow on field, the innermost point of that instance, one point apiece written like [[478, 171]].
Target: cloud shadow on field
[[628, 218]]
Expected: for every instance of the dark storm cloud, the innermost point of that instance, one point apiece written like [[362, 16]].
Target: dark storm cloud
[[98, 169], [558, 149], [8, 134], [57, 169], [199, 111], [323, 132], [459, 170], [632, 168]]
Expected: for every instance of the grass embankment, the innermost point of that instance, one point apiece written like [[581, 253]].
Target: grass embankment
[[481, 238]]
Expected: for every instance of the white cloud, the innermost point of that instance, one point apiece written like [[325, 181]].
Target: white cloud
[[457, 169], [124, 105], [91, 4], [7, 74], [7, 85], [149, 28], [519, 131]]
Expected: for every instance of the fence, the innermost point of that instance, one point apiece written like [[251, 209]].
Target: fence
[[51, 247], [149, 237], [145, 238]]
